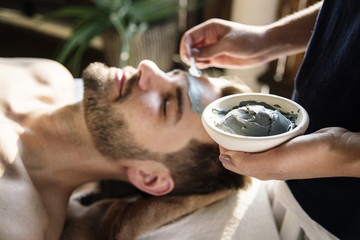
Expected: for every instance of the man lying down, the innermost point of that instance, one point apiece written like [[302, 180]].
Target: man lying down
[[133, 125]]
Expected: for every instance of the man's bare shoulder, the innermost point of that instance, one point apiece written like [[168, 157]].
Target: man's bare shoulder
[[29, 85], [42, 71]]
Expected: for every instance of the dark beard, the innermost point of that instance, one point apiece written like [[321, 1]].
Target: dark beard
[[108, 128]]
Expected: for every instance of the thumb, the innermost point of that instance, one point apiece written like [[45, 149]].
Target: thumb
[[235, 161]]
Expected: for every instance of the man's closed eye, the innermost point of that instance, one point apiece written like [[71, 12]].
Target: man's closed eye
[[166, 102]]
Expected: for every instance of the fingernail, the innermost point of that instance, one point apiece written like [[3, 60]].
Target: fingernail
[[195, 52], [225, 159]]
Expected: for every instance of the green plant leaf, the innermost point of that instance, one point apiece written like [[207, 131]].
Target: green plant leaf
[[96, 16], [102, 3], [79, 38], [153, 10], [127, 17], [146, 4], [75, 59], [78, 12]]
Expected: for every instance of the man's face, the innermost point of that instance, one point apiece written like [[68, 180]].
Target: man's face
[[142, 107]]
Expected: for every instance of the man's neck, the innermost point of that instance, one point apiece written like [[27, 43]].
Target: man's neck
[[56, 147]]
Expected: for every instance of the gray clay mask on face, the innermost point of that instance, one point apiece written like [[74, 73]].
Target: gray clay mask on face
[[195, 92]]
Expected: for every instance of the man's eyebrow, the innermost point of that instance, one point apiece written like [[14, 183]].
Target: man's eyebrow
[[180, 103]]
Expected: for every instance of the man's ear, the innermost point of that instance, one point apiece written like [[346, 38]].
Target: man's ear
[[151, 178]]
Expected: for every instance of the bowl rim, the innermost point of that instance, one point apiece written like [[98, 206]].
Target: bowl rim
[[303, 123]]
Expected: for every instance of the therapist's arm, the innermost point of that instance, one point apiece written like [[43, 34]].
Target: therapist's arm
[[226, 44]]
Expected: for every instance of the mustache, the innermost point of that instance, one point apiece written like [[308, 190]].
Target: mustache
[[130, 84]]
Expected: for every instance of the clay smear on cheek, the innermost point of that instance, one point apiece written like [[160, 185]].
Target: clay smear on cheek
[[195, 92]]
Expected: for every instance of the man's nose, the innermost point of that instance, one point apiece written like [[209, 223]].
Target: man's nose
[[149, 73]]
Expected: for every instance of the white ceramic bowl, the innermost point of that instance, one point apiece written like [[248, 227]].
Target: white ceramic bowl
[[249, 143]]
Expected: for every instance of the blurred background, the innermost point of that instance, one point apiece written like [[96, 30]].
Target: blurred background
[[155, 35]]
